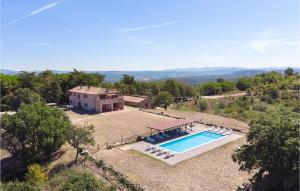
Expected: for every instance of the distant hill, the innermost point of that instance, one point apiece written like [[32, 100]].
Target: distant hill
[[189, 75]]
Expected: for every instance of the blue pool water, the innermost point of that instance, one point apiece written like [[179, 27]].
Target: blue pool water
[[192, 141]]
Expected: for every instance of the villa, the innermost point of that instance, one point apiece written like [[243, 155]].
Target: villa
[[95, 99]]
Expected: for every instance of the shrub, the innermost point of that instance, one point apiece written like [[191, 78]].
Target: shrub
[[243, 84], [271, 91], [260, 107], [296, 108], [35, 174], [267, 99], [221, 105], [19, 186], [84, 181], [202, 105]]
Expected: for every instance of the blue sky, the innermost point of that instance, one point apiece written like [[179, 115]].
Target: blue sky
[[148, 34]]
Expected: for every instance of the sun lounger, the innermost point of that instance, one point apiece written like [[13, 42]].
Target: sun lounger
[[156, 150], [222, 130], [149, 139], [158, 137], [170, 154], [210, 128], [150, 147], [228, 132], [165, 135], [216, 129], [162, 151]]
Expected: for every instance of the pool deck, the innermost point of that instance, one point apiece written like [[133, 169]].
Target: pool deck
[[142, 146]]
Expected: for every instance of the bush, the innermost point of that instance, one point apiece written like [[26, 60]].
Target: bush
[[243, 84], [271, 91], [81, 182], [35, 174], [221, 105], [267, 99], [202, 105], [296, 108], [260, 107], [19, 186]]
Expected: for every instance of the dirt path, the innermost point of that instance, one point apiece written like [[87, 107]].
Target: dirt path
[[224, 96]]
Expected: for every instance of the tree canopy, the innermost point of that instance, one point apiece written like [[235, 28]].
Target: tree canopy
[[34, 132], [81, 135], [272, 151]]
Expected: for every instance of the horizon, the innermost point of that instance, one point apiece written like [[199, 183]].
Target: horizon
[[163, 70], [148, 35]]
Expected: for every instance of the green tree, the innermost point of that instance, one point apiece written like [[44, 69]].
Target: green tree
[[34, 132], [27, 80], [211, 88], [8, 84], [289, 71], [81, 135], [243, 84], [172, 87], [21, 96], [127, 79], [50, 86], [272, 151], [162, 98], [220, 80], [35, 174], [154, 89]]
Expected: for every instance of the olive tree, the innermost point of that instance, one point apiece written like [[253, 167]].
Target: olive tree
[[272, 151], [81, 135], [34, 132]]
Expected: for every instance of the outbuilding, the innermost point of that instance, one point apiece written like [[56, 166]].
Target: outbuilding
[[134, 101]]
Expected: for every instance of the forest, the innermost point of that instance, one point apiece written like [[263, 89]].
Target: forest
[[262, 89]]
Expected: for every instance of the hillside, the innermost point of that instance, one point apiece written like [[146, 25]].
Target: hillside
[[189, 75]]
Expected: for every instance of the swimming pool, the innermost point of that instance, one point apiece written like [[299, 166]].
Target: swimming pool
[[189, 142]]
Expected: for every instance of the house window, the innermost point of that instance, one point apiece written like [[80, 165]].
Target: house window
[[86, 105], [74, 94], [85, 96], [78, 96], [102, 96]]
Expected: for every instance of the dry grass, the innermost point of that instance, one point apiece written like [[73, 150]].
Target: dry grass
[[213, 170], [112, 126]]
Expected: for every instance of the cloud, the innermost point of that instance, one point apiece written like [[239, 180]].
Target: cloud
[[269, 39], [134, 29], [263, 45], [44, 8]]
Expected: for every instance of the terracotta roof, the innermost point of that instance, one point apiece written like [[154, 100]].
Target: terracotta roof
[[92, 90], [134, 99], [170, 124]]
